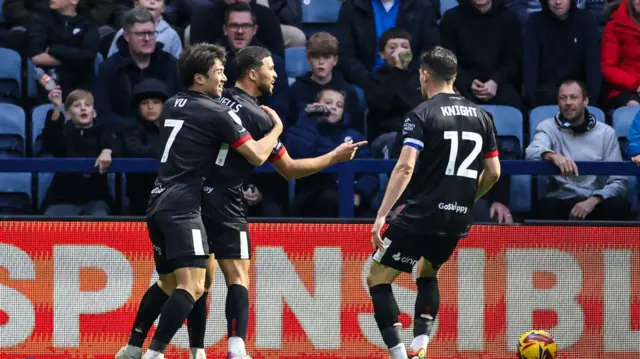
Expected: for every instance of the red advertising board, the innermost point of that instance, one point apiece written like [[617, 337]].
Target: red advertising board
[[71, 290]]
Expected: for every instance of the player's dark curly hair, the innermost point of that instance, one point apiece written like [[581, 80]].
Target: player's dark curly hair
[[198, 59], [441, 62], [249, 58]]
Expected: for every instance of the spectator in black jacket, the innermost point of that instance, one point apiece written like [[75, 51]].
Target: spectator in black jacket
[[141, 140], [289, 13], [77, 194], [240, 31], [561, 42], [485, 36], [139, 57], [361, 23], [396, 91], [207, 24], [63, 40], [322, 55]]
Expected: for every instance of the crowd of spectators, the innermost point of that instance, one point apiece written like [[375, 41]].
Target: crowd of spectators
[[363, 72]]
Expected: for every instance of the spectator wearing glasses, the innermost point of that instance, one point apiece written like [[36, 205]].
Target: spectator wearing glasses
[[207, 24], [139, 57], [166, 34]]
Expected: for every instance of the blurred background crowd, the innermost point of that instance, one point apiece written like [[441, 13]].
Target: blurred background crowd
[[87, 78]]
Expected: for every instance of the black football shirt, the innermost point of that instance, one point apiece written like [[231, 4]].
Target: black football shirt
[[454, 136], [224, 200], [194, 129]]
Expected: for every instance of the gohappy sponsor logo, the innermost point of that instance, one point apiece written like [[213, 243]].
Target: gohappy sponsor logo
[[453, 207], [399, 258]]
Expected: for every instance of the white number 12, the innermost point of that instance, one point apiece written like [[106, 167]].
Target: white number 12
[[176, 126], [463, 170]]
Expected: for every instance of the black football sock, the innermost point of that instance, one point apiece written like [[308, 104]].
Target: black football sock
[[427, 305], [197, 322], [173, 315], [386, 313], [149, 310], [237, 311]]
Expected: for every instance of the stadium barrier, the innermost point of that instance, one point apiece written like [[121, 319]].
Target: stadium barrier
[[346, 171], [71, 290]]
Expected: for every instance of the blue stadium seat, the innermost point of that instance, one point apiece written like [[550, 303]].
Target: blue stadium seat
[[622, 119], [296, 61], [320, 11], [15, 193], [38, 118], [12, 131], [509, 122], [10, 76], [32, 82], [542, 113]]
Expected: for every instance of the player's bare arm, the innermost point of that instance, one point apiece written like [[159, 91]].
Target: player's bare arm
[[291, 169], [489, 176], [257, 152], [398, 182]]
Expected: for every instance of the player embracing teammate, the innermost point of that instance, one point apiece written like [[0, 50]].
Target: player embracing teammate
[[203, 138]]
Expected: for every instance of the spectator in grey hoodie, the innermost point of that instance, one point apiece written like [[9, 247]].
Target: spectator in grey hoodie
[[165, 33], [575, 135]]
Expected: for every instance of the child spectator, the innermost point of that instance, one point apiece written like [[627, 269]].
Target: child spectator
[[63, 40], [394, 92], [77, 194], [141, 140], [317, 195], [165, 33], [322, 55]]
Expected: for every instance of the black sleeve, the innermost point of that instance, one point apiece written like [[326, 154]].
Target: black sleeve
[[490, 146], [413, 132], [231, 130], [353, 69], [38, 37], [78, 56], [511, 54], [53, 141]]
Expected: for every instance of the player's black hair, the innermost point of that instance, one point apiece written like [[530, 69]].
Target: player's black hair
[[249, 58], [393, 33], [583, 87], [441, 62], [198, 59], [239, 7]]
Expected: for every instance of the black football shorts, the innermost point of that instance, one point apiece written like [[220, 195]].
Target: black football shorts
[[228, 240], [404, 249], [179, 240]]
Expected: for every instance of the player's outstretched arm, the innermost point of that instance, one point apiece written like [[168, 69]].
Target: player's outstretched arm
[[257, 152], [290, 168], [399, 179], [489, 176]]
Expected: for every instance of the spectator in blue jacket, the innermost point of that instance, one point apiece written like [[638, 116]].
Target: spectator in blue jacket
[[139, 57], [633, 137], [561, 43], [240, 29], [320, 130]]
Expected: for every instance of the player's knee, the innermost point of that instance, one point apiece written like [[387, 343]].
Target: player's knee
[[426, 269], [208, 280], [167, 282], [235, 272], [374, 279]]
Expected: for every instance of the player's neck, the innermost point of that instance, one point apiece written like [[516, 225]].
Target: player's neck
[[436, 90], [248, 88]]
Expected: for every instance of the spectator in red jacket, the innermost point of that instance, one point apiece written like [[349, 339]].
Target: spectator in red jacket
[[621, 55]]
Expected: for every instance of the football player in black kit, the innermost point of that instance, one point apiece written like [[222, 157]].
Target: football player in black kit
[[224, 211], [194, 129], [449, 159]]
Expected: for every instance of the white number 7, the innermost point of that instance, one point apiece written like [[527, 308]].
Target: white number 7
[[464, 170], [177, 125]]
